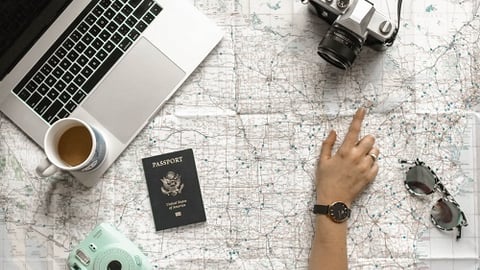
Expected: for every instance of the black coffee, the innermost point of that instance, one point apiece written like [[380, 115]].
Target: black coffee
[[75, 145]]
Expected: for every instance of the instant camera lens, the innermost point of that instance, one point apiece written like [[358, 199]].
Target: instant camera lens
[[420, 180], [114, 265], [340, 47], [445, 214]]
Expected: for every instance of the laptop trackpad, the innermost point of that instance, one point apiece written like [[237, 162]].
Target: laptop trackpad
[[133, 90]]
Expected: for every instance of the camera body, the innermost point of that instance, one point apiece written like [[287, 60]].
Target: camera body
[[106, 248], [353, 24]]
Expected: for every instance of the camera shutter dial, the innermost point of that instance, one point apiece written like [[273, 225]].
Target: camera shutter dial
[[385, 27], [343, 4]]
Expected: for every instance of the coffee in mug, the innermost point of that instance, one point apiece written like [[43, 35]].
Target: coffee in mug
[[72, 145]]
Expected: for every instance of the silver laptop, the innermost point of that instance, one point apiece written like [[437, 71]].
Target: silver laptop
[[112, 63]]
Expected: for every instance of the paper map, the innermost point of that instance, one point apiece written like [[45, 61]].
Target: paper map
[[255, 113]]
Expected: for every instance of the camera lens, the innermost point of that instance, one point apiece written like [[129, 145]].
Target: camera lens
[[114, 265], [340, 47]]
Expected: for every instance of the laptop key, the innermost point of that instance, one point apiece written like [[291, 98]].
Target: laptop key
[[31, 86], [98, 11], [79, 48], [70, 106], [105, 35], [90, 52], [120, 18], [50, 81], [94, 63], [38, 78], [76, 36], [90, 19], [75, 68], [79, 79], [67, 77], [65, 64], [64, 97], [134, 3], [43, 105], [109, 13], [156, 9], [52, 111], [109, 46], [117, 5], [82, 60], [101, 22], [63, 113], [87, 38], [61, 52], [112, 27], [105, 3], [125, 44], [68, 44], [94, 30], [46, 69], [134, 34], [142, 9], [123, 29], [116, 38], [60, 85], [148, 18], [43, 89], [53, 61], [141, 26], [131, 21], [101, 54], [78, 97], [72, 88], [72, 55], [86, 71], [34, 99], [126, 10], [24, 94], [58, 72], [83, 27], [52, 94], [97, 43]]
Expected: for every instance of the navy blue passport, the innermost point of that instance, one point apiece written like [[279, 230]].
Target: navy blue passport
[[174, 190]]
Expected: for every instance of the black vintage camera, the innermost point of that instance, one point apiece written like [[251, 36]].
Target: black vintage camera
[[353, 23]]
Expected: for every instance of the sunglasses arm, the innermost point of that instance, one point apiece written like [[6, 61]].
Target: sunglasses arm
[[459, 232]]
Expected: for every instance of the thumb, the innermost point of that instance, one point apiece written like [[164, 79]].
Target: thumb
[[327, 145]]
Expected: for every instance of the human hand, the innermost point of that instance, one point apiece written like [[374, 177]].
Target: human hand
[[344, 175]]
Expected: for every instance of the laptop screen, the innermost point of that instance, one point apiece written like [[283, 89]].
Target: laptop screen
[[22, 22]]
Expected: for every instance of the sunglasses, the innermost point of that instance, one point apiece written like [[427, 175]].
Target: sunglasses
[[445, 214]]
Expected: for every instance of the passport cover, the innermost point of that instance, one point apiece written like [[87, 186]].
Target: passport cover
[[174, 189]]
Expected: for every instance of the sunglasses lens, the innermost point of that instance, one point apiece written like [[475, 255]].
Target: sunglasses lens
[[446, 214], [420, 180]]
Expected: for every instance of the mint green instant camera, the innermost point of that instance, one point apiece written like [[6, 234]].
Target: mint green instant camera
[[105, 248]]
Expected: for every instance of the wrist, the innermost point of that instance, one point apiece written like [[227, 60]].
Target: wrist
[[336, 211]]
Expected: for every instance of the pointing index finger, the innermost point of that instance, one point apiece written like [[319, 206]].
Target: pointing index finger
[[354, 131]]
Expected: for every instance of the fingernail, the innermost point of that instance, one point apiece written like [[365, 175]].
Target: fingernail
[[362, 110]]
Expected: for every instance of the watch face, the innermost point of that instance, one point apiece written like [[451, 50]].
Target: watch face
[[339, 212]]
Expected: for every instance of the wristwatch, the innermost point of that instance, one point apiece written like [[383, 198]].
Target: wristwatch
[[337, 211]]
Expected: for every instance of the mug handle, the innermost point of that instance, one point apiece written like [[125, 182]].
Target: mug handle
[[46, 168]]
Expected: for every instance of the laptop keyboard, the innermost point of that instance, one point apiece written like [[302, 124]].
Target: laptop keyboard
[[83, 54]]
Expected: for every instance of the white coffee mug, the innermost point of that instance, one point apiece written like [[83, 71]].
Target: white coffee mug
[[71, 145]]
